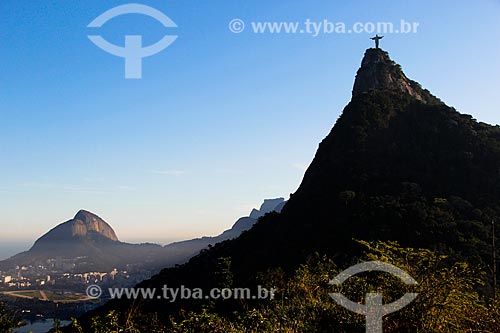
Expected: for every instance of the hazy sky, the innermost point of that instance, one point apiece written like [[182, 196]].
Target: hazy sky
[[219, 120]]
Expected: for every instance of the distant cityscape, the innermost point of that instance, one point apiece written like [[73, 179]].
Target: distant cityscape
[[52, 289], [57, 273]]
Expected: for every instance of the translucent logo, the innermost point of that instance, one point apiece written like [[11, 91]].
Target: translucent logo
[[132, 51], [374, 309]]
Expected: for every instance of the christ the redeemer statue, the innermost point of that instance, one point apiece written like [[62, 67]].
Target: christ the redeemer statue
[[377, 38]]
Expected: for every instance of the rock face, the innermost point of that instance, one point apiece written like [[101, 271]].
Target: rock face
[[268, 206], [245, 223], [92, 223], [379, 72], [83, 225]]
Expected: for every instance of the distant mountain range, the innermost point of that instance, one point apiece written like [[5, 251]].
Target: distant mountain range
[[186, 249], [91, 244]]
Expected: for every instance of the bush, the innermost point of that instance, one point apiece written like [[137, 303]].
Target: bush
[[447, 300]]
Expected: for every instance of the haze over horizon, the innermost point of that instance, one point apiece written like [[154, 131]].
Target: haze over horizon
[[176, 155]]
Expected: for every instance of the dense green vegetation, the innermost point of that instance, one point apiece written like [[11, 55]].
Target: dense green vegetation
[[447, 301], [8, 320]]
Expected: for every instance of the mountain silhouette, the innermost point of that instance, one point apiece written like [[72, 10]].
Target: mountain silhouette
[[186, 249], [91, 244], [379, 72], [398, 165], [84, 225]]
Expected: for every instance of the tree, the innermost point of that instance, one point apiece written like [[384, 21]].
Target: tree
[[9, 320]]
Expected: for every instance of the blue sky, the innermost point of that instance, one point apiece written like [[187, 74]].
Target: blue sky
[[219, 120]]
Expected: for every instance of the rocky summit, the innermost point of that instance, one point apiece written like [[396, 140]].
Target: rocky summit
[[84, 225], [86, 243], [379, 72]]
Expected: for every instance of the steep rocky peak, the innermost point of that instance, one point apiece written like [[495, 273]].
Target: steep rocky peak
[[85, 222], [379, 72]]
